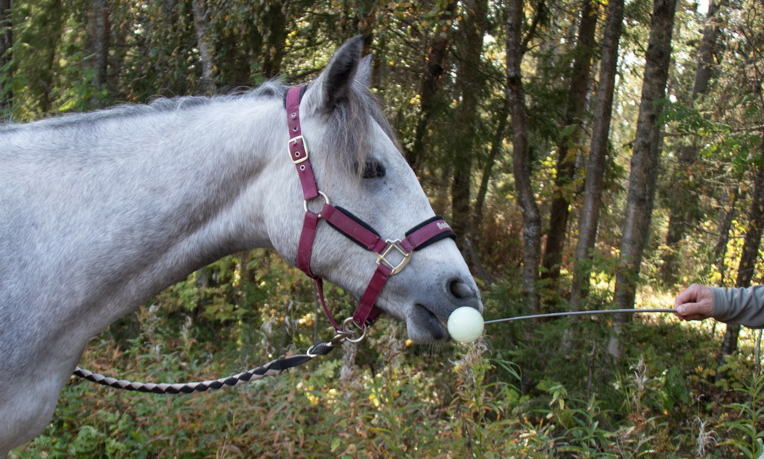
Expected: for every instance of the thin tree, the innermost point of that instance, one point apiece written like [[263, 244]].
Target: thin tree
[[750, 252], [595, 163], [469, 82], [429, 84], [681, 213], [276, 33], [516, 48], [645, 161], [99, 33], [6, 44], [726, 214], [567, 146], [207, 83], [498, 139]]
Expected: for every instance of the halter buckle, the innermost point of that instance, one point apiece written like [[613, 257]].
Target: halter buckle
[[397, 246], [304, 144]]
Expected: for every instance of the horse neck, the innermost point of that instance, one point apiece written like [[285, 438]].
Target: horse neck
[[143, 201]]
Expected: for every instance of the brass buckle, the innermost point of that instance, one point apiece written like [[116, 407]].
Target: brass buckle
[[390, 246], [304, 144]]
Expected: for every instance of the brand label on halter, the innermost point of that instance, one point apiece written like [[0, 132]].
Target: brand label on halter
[[443, 226]]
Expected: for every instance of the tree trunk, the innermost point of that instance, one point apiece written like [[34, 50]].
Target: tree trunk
[[568, 145], [681, 214], [275, 42], [117, 60], [430, 83], [100, 32], [645, 161], [498, 139], [522, 167], [167, 12], [469, 82], [729, 199], [595, 164], [750, 253], [367, 11], [207, 83], [6, 43]]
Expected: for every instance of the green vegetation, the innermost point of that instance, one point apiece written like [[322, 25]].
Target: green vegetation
[[387, 398], [500, 108]]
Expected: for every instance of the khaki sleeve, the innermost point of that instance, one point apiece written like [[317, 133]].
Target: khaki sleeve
[[744, 306]]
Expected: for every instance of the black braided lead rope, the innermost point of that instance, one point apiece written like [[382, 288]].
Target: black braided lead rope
[[272, 368]]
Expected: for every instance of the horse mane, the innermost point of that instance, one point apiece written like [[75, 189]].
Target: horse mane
[[270, 89], [349, 122]]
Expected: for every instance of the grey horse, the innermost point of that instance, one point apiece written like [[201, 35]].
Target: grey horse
[[101, 211]]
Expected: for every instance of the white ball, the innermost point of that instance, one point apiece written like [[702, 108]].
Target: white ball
[[465, 324]]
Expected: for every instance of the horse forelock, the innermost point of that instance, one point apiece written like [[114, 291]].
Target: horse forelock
[[351, 126]]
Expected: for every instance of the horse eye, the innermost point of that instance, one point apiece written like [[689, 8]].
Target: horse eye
[[373, 169]]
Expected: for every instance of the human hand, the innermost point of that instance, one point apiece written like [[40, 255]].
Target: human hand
[[695, 303]]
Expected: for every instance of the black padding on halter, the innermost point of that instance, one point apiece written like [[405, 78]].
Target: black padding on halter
[[434, 239], [350, 215], [302, 93]]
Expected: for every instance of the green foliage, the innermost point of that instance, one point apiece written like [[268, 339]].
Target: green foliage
[[745, 428], [516, 394]]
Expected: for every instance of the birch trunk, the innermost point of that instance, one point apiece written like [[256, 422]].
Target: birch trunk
[[498, 139], [429, 84], [206, 84], [470, 82], [569, 144], [99, 32], [6, 43], [595, 163], [645, 162], [275, 42], [522, 167], [681, 209], [726, 215], [750, 253]]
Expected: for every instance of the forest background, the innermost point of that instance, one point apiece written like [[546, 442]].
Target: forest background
[[589, 154]]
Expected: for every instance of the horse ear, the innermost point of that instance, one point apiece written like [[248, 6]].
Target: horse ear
[[363, 76], [334, 83]]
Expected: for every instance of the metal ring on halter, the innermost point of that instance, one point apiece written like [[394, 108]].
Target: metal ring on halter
[[326, 198], [341, 336], [345, 329], [309, 352]]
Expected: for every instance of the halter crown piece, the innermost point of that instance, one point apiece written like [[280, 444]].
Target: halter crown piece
[[422, 235]]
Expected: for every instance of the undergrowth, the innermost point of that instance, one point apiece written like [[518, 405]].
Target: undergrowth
[[541, 390]]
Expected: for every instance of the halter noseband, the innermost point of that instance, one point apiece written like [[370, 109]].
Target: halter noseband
[[422, 235]]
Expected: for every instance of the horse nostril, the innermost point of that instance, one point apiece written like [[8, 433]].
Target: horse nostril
[[460, 289]]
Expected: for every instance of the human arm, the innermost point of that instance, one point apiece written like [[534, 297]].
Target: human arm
[[744, 306]]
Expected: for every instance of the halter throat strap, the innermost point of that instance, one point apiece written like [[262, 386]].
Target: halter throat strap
[[350, 226]]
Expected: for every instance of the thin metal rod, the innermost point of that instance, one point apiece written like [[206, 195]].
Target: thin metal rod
[[584, 313]]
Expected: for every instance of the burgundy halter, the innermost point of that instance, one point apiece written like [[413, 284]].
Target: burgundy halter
[[422, 235]]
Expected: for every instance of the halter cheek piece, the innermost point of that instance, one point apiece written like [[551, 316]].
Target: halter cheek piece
[[422, 235]]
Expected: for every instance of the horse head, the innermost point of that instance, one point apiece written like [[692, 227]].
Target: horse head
[[358, 166]]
